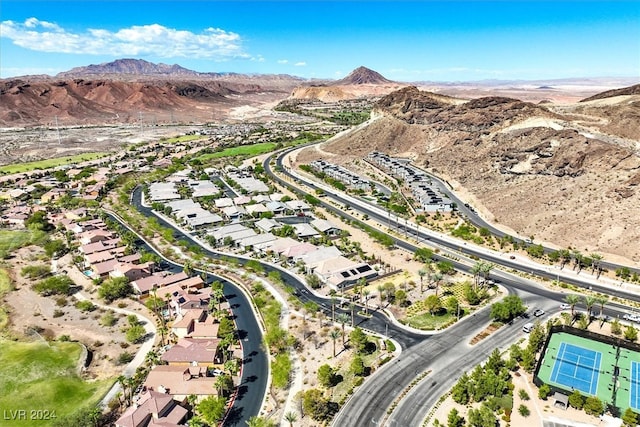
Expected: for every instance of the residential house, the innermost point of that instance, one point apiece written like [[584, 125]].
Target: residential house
[[154, 409]]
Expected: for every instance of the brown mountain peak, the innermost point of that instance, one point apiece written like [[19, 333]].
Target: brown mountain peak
[[362, 75]]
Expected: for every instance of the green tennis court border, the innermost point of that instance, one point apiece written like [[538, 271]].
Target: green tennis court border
[[614, 385]]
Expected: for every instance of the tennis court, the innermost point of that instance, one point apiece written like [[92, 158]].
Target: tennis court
[[608, 369], [634, 397], [577, 368]]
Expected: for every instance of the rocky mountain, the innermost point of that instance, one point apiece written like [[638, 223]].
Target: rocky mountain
[[362, 76], [549, 171], [631, 90], [128, 67], [122, 90], [360, 83]]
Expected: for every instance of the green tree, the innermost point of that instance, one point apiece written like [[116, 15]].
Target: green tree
[[528, 361], [536, 337], [291, 418], [55, 248], [511, 307], [135, 333], [316, 405], [212, 409], [572, 300], [589, 302], [524, 411], [460, 391], [357, 366], [359, 340], [423, 255], [593, 406], [226, 327], [576, 400], [326, 376], [334, 335], [256, 421], [281, 370], [55, 285], [629, 418], [630, 333], [433, 304], [544, 391], [115, 288], [454, 419]]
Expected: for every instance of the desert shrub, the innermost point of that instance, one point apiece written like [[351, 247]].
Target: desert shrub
[[85, 305], [125, 357]]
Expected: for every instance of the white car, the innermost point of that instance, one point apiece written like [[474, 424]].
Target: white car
[[631, 317], [565, 306]]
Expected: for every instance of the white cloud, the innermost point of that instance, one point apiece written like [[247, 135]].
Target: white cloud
[[300, 64], [283, 61], [154, 39]]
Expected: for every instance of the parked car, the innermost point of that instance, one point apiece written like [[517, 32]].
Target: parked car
[[538, 312]]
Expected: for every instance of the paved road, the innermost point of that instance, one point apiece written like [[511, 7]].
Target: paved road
[[255, 368], [446, 355]]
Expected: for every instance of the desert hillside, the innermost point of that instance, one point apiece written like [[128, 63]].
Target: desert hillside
[[568, 175], [360, 83]]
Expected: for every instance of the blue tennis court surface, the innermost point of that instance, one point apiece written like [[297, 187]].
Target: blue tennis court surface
[[634, 397], [578, 368]]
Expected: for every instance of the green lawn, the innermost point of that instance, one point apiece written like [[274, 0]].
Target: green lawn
[[430, 322], [242, 150], [10, 240], [42, 377], [5, 286], [50, 163], [183, 138]]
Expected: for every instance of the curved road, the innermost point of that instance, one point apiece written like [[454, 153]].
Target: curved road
[[446, 355], [255, 366]]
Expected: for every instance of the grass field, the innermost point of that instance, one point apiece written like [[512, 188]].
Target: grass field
[[42, 377], [5, 286], [183, 138], [10, 240], [50, 163], [242, 150]]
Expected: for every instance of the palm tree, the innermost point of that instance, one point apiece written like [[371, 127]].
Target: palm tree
[[334, 334], [231, 366], [352, 308], [577, 259], [217, 293], [572, 300], [366, 293], [381, 294], [437, 277], [290, 417], [602, 300], [187, 268], [565, 257], [152, 358], [343, 319], [596, 264], [219, 384], [486, 269], [422, 272], [122, 380], [476, 270], [589, 301]]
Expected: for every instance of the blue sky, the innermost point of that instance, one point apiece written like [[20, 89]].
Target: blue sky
[[403, 40]]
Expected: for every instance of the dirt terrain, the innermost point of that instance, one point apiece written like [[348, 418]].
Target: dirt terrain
[[552, 172], [53, 317]]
